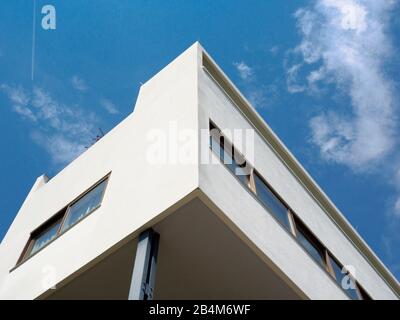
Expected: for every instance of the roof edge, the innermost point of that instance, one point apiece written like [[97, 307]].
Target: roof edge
[[297, 169]]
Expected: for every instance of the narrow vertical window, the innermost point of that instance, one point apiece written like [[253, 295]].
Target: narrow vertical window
[[230, 157], [216, 142], [344, 279], [309, 242], [235, 162], [271, 201]]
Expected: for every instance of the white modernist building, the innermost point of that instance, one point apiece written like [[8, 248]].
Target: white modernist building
[[171, 205]]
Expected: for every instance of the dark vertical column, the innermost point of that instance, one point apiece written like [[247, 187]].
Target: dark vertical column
[[144, 270]]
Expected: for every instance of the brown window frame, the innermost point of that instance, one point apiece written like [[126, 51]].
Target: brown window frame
[[287, 227], [364, 294], [293, 219], [227, 146], [310, 237], [252, 182], [59, 217], [78, 199], [292, 223], [361, 293]]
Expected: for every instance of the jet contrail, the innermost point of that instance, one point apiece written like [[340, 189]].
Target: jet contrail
[[33, 39]]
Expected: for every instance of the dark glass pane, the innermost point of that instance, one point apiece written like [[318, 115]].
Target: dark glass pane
[[276, 207], [44, 238], [344, 280], [364, 295], [84, 206], [225, 156], [242, 170], [309, 244], [237, 169]]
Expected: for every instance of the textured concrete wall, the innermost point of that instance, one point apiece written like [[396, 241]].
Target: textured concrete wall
[[260, 227]]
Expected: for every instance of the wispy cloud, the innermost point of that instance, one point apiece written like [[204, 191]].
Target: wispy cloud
[[345, 43], [245, 72], [274, 50], [292, 83], [345, 46], [62, 130], [79, 84], [19, 99], [109, 106], [24, 112], [396, 205], [255, 92], [17, 95], [257, 97], [61, 148]]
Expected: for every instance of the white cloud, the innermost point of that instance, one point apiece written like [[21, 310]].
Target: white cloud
[[344, 42], [353, 15], [46, 108], [63, 131], [245, 72], [291, 79], [109, 106], [17, 95], [61, 148], [397, 207], [25, 112], [255, 93], [78, 83], [274, 50], [257, 97], [345, 46], [262, 96]]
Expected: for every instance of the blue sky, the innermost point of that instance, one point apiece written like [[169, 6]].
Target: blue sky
[[324, 74]]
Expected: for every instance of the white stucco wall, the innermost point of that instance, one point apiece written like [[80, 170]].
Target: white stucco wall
[[240, 206], [137, 190], [182, 97]]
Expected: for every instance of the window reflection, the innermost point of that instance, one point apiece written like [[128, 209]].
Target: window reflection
[[45, 237], [310, 243], [236, 164], [249, 176], [344, 280], [84, 206], [64, 219], [275, 206]]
